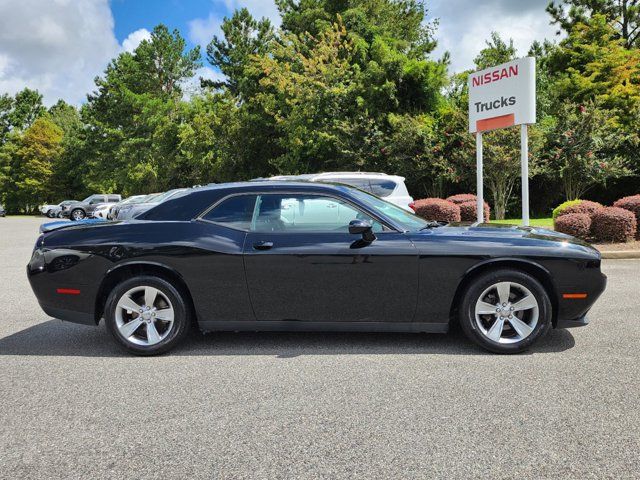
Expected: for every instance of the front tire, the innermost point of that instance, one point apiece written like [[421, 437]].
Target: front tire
[[147, 315], [505, 311], [77, 214]]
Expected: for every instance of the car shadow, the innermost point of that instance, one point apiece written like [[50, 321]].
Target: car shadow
[[57, 338]]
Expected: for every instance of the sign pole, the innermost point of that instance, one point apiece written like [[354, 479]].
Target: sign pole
[[479, 187], [524, 164]]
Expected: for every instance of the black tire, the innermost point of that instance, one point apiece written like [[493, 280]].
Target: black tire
[[49, 214], [479, 285], [77, 214], [181, 320]]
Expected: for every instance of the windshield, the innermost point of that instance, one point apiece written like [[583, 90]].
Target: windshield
[[409, 221]]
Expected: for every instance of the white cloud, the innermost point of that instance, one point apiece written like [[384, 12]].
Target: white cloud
[[202, 30], [55, 46], [466, 24], [130, 43]]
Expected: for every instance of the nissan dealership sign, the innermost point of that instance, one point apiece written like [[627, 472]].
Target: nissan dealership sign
[[500, 97], [503, 96]]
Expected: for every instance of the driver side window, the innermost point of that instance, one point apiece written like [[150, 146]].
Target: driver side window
[[306, 213]]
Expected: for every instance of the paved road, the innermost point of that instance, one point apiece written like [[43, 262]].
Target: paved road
[[315, 405]]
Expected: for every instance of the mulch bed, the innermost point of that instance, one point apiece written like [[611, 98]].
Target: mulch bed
[[616, 247]]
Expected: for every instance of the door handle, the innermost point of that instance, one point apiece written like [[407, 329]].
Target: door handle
[[262, 245]]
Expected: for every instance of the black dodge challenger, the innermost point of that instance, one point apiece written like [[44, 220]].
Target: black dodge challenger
[[310, 256]]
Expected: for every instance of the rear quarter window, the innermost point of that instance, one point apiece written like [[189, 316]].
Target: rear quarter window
[[234, 212]]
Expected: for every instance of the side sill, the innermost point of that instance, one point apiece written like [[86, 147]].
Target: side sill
[[298, 326], [70, 315]]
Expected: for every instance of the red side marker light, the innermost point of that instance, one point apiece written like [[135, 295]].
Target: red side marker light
[[412, 206], [574, 295], [68, 291]]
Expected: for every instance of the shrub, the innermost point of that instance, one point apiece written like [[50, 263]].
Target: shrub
[[632, 204], [613, 224], [462, 198], [585, 206], [437, 209], [576, 224], [468, 211], [576, 206]]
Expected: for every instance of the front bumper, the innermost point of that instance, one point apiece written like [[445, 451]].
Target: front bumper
[[578, 322]]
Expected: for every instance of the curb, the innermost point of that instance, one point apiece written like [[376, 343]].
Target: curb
[[620, 254]]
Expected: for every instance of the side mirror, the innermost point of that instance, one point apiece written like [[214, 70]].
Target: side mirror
[[362, 227]]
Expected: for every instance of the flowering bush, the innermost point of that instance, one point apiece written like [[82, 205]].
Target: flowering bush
[[437, 209], [576, 224], [576, 206], [613, 224], [462, 198], [468, 211], [632, 204]]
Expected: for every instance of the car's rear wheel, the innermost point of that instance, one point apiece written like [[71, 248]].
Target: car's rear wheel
[[147, 315], [77, 214], [505, 311]]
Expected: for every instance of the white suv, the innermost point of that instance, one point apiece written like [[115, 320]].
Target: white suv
[[389, 187]]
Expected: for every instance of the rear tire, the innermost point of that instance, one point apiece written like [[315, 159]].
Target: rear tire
[[505, 311], [147, 315]]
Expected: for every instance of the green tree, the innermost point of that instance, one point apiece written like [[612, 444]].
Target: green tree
[[592, 64], [30, 157], [623, 14], [133, 117], [582, 148], [243, 37]]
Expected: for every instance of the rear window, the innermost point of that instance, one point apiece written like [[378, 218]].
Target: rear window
[[382, 188], [235, 212]]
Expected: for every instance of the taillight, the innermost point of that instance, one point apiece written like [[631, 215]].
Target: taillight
[[412, 206]]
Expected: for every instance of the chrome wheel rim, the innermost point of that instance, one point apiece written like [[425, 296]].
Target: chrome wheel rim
[[77, 215], [144, 316], [506, 312]]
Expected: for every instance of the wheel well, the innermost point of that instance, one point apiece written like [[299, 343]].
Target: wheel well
[[532, 269], [134, 270]]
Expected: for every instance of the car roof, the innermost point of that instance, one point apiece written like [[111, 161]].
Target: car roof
[[193, 202], [329, 175]]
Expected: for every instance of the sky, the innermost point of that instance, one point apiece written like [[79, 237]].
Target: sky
[[60, 46]]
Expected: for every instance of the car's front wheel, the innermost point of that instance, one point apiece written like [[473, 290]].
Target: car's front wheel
[[505, 311], [77, 214], [49, 213], [147, 315]]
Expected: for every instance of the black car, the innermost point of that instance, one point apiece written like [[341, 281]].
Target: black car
[[85, 208], [283, 255]]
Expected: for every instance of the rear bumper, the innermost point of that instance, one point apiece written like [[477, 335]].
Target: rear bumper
[[69, 315]]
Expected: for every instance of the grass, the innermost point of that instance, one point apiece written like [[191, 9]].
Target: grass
[[534, 222]]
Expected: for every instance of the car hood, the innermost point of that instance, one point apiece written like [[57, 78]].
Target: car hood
[[511, 235]]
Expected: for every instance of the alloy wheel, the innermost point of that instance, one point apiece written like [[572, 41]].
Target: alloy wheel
[[144, 316], [506, 312], [77, 214]]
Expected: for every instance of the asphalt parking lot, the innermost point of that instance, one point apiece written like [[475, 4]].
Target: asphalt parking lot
[[308, 405]]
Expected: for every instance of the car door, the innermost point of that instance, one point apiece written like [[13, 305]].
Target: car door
[[302, 263]]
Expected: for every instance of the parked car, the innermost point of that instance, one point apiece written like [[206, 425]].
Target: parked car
[[84, 209], [102, 210], [232, 257], [132, 210], [115, 208], [390, 187], [52, 211], [3, 212]]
